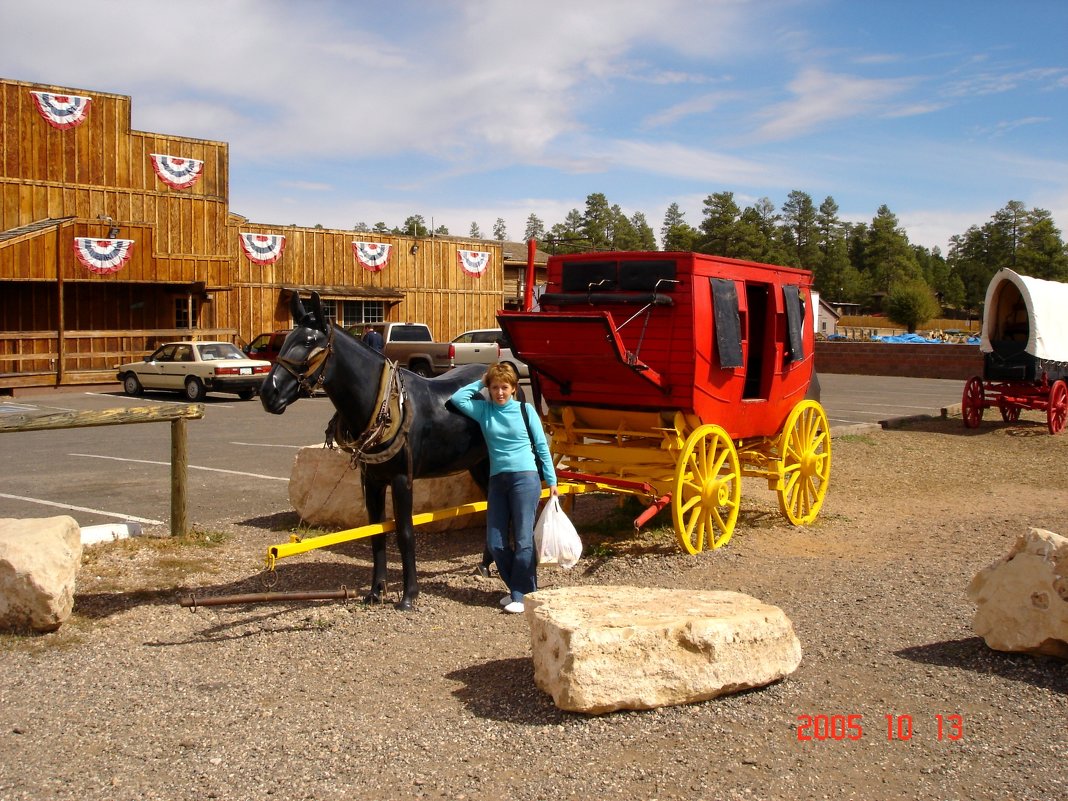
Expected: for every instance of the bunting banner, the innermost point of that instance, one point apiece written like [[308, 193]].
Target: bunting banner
[[263, 248], [103, 256], [62, 111], [177, 173], [473, 262], [372, 255]]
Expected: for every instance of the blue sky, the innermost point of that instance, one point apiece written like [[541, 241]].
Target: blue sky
[[468, 110]]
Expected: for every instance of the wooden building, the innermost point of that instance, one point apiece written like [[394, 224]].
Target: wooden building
[[113, 240]]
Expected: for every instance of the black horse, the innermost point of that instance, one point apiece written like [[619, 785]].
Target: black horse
[[395, 422]]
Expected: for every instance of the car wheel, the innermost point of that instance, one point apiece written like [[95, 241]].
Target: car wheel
[[131, 386], [247, 394], [194, 389], [422, 368]]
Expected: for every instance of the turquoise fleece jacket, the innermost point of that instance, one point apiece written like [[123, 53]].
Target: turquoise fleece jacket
[[505, 433]]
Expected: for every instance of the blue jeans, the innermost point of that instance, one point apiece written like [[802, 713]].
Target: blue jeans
[[513, 498]]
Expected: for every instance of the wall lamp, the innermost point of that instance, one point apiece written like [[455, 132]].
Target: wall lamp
[[414, 250]]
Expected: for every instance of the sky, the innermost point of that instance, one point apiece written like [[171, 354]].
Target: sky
[[466, 111]]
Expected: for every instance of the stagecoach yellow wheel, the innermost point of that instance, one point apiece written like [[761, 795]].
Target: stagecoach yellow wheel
[[708, 488], [805, 453]]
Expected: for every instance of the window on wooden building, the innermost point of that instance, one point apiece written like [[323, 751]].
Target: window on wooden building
[[186, 312], [347, 313]]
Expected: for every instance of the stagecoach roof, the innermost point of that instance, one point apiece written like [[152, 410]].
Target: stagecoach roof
[[1047, 314]]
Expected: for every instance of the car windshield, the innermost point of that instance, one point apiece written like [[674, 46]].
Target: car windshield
[[219, 350]]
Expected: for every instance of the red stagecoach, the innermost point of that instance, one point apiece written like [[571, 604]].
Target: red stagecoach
[[670, 376], [1025, 352]]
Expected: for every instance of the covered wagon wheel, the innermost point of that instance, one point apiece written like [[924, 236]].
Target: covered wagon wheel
[[971, 403], [1010, 412], [805, 451], [1057, 411], [708, 489]]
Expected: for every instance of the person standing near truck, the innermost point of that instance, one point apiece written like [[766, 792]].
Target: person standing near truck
[[372, 338], [518, 453]]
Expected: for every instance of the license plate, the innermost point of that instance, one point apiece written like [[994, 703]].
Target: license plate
[[246, 371]]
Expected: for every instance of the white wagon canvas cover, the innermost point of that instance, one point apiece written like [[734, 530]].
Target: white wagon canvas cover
[[1025, 313]]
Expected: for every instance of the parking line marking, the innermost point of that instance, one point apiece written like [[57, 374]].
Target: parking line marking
[[267, 445], [191, 467], [145, 520]]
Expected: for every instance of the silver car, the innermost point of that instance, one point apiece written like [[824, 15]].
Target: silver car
[[506, 356], [195, 369]]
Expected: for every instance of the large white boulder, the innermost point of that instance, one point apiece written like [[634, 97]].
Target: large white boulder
[[39, 559], [599, 649], [326, 492], [1022, 599]]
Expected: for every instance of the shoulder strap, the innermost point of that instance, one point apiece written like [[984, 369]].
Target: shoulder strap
[[533, 448]]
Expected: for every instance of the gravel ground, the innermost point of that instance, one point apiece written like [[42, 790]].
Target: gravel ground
[[137, 698]]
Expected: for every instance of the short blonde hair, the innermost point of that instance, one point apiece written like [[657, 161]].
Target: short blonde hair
[[501, 373]]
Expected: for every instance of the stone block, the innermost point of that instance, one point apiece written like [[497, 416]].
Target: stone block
[[39, 560], [326, 492], [599, 649], [1022, 599]]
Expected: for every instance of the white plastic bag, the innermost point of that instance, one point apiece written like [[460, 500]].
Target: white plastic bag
[[555, 538]]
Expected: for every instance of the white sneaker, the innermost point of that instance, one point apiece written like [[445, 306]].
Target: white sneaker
[[505, 600], [514, 608]]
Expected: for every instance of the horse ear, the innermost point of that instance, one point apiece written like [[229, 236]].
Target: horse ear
[[317, 310], [296, 308]]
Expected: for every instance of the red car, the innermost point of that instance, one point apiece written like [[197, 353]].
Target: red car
[[266, 346]]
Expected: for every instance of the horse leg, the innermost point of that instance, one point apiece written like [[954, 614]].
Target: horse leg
[[374, 497], [402, 514]]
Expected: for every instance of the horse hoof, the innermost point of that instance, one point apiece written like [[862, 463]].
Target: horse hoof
[[372, 598], [405, 605]]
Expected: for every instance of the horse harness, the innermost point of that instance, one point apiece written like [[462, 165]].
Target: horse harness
[[316, 361], [386, 432]]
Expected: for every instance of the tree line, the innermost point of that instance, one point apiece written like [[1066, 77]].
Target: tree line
[[871, 264]]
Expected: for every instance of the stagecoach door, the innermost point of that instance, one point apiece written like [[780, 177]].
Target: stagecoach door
[[756, 332]]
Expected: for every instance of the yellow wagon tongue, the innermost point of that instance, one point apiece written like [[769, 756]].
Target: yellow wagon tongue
[[583, 355]]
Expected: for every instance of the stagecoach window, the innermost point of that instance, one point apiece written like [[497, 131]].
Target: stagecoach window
[[728, 324], [579, 275], [795, 316], [641, 276]]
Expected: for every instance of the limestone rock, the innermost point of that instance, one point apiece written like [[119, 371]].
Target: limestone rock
[[1022, 599], [599, 649], [39, 559], [326, 492]]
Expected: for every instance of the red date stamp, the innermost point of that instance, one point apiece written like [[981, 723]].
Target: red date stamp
[[819, 728]]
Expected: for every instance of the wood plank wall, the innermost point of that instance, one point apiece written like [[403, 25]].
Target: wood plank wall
[[187, 240]]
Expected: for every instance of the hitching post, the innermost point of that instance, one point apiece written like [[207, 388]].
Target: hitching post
[[179, 463]]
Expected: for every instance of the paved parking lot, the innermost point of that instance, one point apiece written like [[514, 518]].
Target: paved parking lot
[[240, 457]]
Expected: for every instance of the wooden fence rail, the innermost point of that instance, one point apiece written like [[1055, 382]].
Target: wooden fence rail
[[175, 415]]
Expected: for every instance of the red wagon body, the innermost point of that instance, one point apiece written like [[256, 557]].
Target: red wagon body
[[635, 353]]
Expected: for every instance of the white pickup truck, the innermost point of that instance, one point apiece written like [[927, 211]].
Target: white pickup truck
[[412, 345]]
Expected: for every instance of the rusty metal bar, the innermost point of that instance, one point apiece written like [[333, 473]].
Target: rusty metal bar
[[192, 602]]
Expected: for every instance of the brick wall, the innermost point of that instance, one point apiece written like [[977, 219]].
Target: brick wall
[[883, 358]]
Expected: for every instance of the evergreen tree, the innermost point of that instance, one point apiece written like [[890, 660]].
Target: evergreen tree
[[535, 228], [624, 236], [566, 236], [381, 228], [720, 224], [676, 233], [474, 232], [1041, 252], [361, 228], [441, 230], [888, 258], [598, 221], [413, 226], [801, 230], [646, 237]]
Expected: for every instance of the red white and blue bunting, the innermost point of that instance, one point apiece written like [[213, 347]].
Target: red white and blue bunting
[[62, 111], [103, 256], [177, 173], [473, 262], [372, 255], [263, 248]]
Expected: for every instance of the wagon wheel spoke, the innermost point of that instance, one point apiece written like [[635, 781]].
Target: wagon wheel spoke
[[971, 403], [707, 490], [1057, 412], [805, 463]]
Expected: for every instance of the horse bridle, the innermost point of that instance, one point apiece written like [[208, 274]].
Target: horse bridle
[[316, 361]]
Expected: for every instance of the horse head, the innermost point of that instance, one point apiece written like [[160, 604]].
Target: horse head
[[302, 359]]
